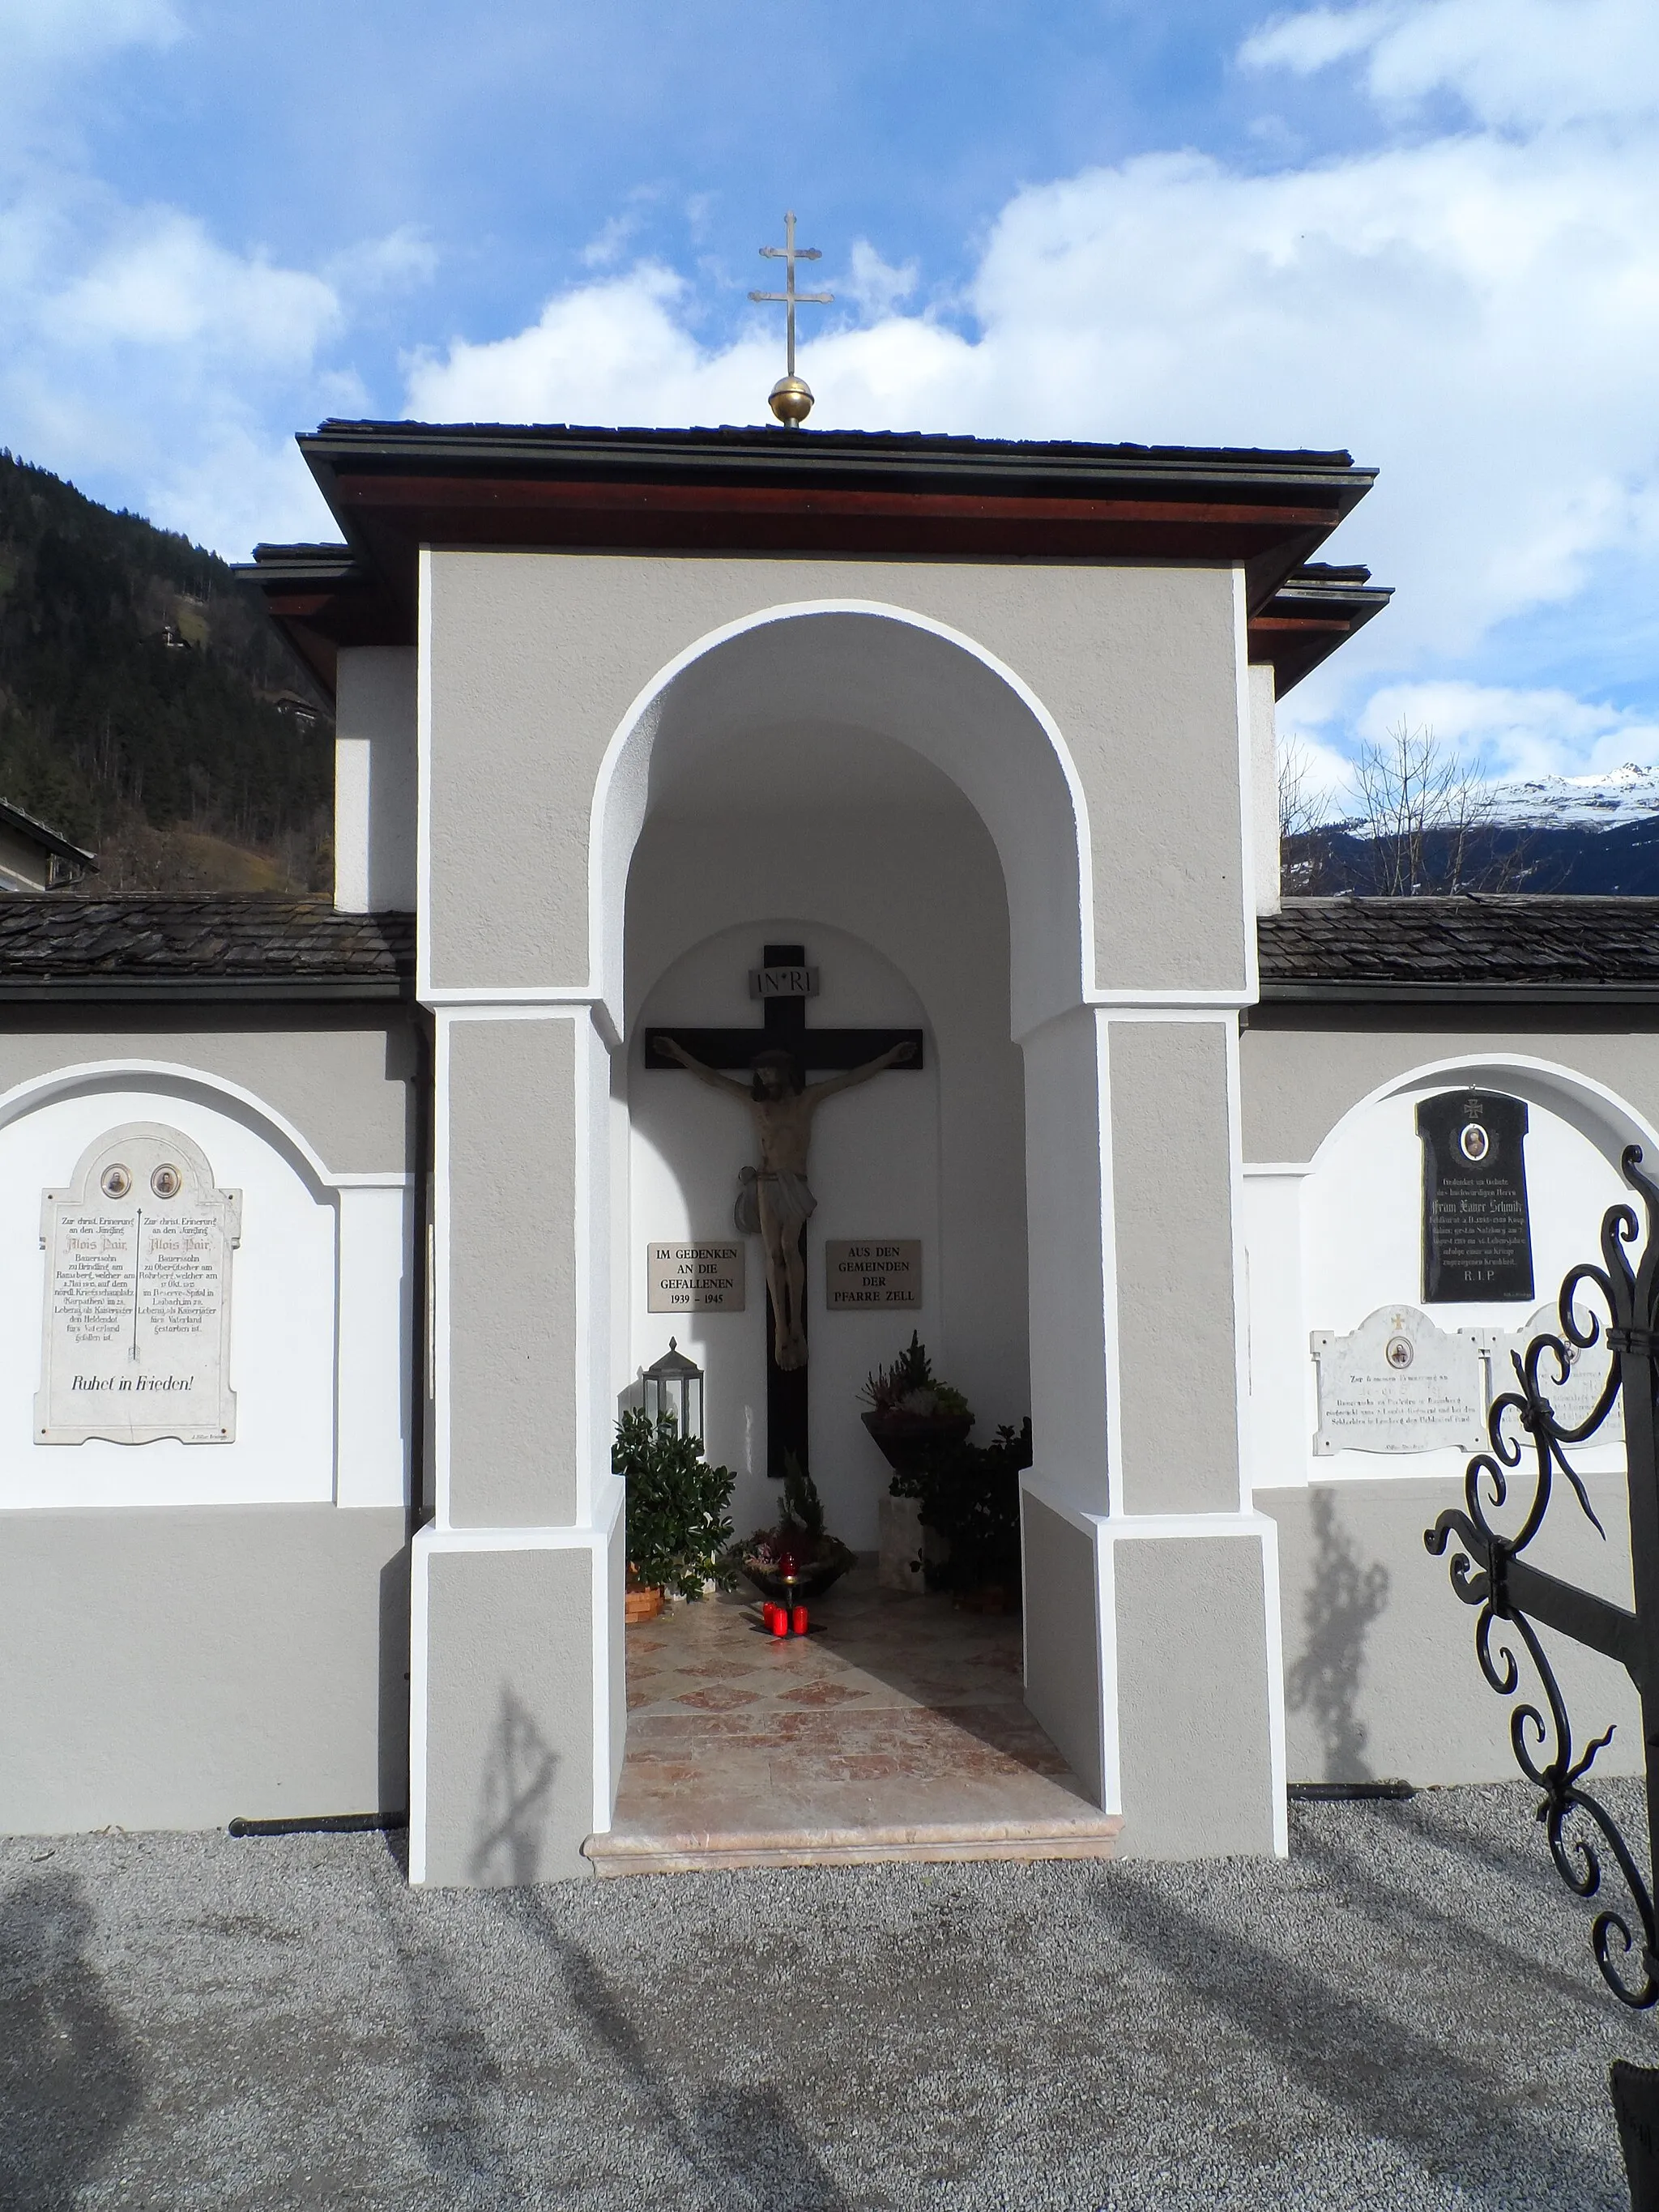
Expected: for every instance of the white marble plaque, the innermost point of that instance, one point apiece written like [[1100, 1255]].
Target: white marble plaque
[[1573, 1401], [135, 1339], [1397, 1384], [873, 1271], [693, 1278]]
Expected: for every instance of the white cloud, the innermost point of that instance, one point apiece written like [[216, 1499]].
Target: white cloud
[[1535, 64], [160, 281], [875, 287], [1517, 733], [64, 33]]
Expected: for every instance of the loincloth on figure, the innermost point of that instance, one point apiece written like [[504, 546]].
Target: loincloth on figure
[[789, 1199]]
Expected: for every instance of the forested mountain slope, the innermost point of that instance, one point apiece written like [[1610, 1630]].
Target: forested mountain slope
[[148, 709]]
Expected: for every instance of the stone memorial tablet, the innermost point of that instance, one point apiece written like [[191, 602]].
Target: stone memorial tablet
[[871, 1271], [1477, 1237], [695, 1279], [136, 1342], [1397, 1384], [1571, 1401]]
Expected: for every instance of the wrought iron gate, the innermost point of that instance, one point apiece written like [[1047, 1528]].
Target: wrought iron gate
[[1490, 1571]]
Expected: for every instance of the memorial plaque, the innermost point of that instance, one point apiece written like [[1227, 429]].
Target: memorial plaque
[[873, 1271], [1397, 1384], [695, 1279], [1571, 1401], [1477, 1237], [136, 1331]]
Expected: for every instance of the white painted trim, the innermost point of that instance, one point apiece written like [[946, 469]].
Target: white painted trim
[[644, 705], [1478, 1067], [1247, 885], [1241, 1268], [1150, 1003], [1277, 1752], [440, 1268], [40, 1089], [1109, 1291], [423, 779], [1280, 1168], [1111, 1734]]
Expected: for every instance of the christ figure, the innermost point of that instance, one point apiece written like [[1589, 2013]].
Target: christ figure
[[775, 1200]]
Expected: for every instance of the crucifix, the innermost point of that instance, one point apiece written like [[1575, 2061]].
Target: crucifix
[[791, 399], [775, 1200]]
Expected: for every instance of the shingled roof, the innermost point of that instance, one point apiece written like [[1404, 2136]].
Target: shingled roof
[[1473, 948], [226, 945], [243, 946]]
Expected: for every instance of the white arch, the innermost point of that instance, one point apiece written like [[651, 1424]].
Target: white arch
[[39, 1090], [1041, 891], [1600, 1114]]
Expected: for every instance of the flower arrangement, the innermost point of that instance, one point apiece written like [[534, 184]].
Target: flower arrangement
[[797, 1556], [969, 1495], [908, 1389], [677, 1529]]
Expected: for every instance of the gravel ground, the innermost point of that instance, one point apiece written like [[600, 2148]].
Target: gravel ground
[[1405, 2013]]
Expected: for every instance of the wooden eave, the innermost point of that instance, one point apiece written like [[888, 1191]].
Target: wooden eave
[[395, 488]]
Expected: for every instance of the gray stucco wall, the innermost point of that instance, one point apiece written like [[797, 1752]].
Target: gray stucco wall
[[1381, 1679], [170, 1667], [536, 658], [1192, 1667], [510, 1715], [1301, 1070], [1172, 1212], [1062, 1636], [343, 1081], [512, 1285]]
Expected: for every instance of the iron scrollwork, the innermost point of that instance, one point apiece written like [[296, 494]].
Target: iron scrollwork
[[1490, 1572]]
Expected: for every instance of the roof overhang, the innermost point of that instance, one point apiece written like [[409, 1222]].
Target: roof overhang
[[1315, 610], [395, 488]]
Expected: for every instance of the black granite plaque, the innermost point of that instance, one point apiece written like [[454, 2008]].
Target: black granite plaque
[[1477, 1237]]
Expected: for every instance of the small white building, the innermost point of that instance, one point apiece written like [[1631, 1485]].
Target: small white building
[[34, 858], [985, 731]]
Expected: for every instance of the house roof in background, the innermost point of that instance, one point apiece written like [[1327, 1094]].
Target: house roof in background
[[1502, 948], [236, 946], [395, 487], [41, 833]]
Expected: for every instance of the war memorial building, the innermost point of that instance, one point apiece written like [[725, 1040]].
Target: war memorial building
[[332, 1234]]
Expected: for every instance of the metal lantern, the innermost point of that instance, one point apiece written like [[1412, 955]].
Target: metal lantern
[[674, 1385]]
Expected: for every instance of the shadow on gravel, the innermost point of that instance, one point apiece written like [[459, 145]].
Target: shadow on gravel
[[740, 2143], [1460, 2125], [70, 2080], [458, 2099]]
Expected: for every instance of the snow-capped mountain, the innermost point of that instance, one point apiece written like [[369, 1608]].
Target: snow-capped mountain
[[1577, 802]]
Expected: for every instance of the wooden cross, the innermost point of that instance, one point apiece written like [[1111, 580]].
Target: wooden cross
[[783, 982]]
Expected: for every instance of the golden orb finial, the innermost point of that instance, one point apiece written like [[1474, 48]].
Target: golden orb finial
[[790, 401], [792, 398]]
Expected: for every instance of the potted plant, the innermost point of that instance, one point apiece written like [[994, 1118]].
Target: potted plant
[[677, 1528], [969, 1495], [797, 1559], [911, 1412]]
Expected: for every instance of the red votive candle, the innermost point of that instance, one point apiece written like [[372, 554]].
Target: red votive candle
[[768, 1614], [780, 1621], [797, 1620]]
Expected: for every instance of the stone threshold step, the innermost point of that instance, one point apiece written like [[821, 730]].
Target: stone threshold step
[[632, 1850]]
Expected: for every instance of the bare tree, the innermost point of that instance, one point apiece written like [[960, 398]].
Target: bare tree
[[1303, 813], [1427, 816]]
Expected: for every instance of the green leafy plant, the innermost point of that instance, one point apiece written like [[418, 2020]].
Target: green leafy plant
[[909, 1389], [970, 1494], [677, 1505]]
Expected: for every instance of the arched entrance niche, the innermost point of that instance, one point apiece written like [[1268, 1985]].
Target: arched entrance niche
[[883, 792]]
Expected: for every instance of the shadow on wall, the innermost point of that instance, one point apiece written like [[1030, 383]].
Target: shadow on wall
[[70, 2079], [1343, 1598], [392, 1734], [517, 1790]]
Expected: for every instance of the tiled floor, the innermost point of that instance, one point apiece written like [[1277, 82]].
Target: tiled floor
[[897, 1729]]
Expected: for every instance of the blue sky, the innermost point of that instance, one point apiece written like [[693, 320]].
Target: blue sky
[[1425, 229]]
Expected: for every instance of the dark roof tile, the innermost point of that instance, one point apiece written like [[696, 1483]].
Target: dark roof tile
[[224, 942], [1496, 945]]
